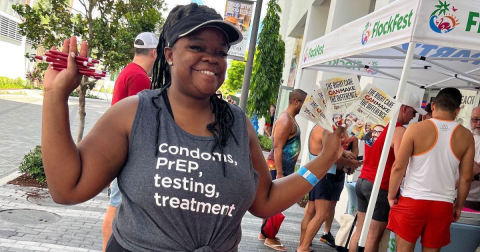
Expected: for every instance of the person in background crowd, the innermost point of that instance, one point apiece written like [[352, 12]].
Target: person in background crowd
[[179, 131], [410, 106], [133, 79], [285, 148], [324, 196], [429, 201], [268, 126], [473, 198], [428, 109]]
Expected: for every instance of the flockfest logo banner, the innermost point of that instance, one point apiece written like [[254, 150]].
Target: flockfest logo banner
[[368, 116]]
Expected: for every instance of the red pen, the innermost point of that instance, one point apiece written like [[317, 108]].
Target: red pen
[[48, 58], [89, 60], [61, 58], [80, 67], [89, 74]]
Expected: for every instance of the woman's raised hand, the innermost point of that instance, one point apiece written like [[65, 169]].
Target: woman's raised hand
[[332, 142], [65, 81]]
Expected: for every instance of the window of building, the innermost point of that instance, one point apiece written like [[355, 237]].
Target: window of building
[[6, 6], [9, 28]]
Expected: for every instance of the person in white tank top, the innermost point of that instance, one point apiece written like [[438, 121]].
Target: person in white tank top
[[432, 154]]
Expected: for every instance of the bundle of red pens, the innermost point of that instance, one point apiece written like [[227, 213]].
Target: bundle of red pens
[[58, 61]]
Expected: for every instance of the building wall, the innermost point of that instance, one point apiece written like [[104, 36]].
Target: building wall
[[13, 46], [17, 65]]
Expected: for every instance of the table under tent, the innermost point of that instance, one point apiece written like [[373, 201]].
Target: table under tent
[[425, 43]]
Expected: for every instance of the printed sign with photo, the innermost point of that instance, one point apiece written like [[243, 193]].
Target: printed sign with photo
[[316, 108], [368, 116], [307, 114], [339, 94], [239, 14]]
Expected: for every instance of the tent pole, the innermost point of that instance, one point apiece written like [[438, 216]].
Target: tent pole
[[385, 73], [426, 59], [386, 149], [474, 82], [449, 78]]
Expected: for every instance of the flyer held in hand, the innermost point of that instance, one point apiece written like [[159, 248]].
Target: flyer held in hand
[[372, 111], [341, 102]]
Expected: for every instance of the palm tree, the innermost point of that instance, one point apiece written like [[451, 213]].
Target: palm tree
[[442, 8]]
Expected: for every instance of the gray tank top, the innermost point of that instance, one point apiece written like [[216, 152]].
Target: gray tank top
[[179, 200]]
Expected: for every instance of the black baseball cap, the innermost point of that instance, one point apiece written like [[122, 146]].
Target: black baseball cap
[[196, 21]]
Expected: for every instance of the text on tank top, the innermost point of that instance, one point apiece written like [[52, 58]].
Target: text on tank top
[[431, 175], [371, 159], [180, 200]]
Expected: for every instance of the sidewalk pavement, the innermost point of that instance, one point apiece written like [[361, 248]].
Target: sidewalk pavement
[[31, 221]]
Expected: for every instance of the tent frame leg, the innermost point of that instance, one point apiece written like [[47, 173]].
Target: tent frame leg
[[386, 146], [440, 65]]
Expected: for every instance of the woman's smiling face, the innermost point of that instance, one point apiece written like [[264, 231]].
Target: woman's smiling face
[[199, 62]]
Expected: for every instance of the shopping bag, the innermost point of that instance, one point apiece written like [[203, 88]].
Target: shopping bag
[[271, 226], [347, 226]]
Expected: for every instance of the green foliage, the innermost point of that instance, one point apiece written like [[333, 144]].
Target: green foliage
[[265, 142], [268, 66], [32, 165], [235, 76], [109, 26], [119, 23], [87, 95], [18, 83], [35, 77], [5, 92], [47, 24], [110, 34]]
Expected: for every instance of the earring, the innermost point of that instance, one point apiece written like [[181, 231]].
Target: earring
[[170, 63]]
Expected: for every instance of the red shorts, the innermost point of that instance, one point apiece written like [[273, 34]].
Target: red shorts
[[412, 218]]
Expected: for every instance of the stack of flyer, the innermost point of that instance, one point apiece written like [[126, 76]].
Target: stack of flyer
[[341, 102]]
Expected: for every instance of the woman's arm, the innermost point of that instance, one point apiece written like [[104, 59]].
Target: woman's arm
[[77, 173], [273, 197]]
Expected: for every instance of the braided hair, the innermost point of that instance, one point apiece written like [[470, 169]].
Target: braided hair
[[221, 128]]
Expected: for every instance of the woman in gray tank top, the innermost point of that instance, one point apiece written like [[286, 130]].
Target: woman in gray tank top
[[189, 164]]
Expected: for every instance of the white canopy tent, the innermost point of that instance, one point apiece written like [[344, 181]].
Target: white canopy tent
[[430, 44]]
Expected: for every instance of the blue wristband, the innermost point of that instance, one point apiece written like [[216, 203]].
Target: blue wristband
[[308, 175]]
